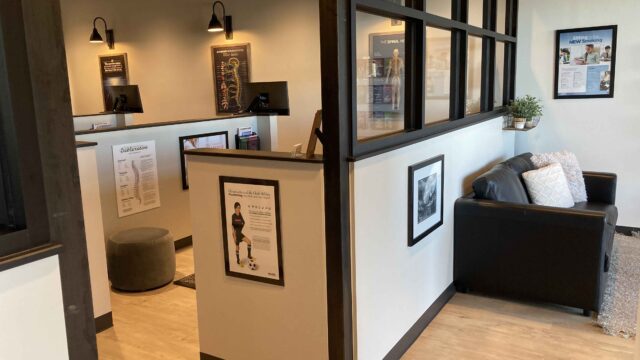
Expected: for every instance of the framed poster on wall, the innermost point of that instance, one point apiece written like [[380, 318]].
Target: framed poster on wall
[[136, 177], [251, 233], [217, 140], [585, 62], [114, 71], [231, 66], [426, 198]]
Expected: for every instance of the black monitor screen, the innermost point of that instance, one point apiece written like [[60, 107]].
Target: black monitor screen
[[124, 99], [267, 97]]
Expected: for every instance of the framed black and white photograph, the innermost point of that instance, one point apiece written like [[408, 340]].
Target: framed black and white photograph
[[426, 198], [251, 229], [215, 140], [585, 62], [231, 72]]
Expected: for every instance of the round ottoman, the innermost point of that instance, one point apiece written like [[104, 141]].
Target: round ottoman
[[141, 259]]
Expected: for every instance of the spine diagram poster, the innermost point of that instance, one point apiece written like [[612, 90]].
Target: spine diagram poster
[[230, 74], [585, 62], [136, 175], [114, 71], [251, 229]]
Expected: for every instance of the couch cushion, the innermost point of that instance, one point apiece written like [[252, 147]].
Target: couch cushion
[[571, 168], [548, 187], [610, 210], [521, 163], [500, 184]]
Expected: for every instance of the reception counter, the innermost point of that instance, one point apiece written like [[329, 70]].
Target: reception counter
[[275, 322]]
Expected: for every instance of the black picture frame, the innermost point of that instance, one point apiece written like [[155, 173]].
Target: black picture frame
[[114, 71], [276, 200], [560, 49], [412, 238], [183, 159], [231, 72]]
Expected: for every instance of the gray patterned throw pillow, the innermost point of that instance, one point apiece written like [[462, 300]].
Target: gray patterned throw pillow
[[571, 168]]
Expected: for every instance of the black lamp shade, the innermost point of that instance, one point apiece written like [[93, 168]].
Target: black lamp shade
[[215, 25], [95, 36]]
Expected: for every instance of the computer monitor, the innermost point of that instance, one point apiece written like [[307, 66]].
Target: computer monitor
[[266, 97], [124, 99]]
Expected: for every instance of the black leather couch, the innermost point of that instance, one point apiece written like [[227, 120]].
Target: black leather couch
[[506, 246]]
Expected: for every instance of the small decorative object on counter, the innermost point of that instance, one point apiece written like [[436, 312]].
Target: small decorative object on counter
[[526, 112]]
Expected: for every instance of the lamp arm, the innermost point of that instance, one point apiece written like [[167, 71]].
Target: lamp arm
[[224, 11], [103, 20]]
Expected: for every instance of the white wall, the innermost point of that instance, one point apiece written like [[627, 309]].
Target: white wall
[[604, 133], [32, 312], [169, 55], [396, 284], [94, 230], [246, 320], [173, 214]]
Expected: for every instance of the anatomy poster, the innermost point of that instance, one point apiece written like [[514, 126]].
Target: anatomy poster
[[251, 229], [136, 173], [230, 74]]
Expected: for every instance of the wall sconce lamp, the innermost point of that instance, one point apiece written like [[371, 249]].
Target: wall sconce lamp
[[216, 26], [96, 38]]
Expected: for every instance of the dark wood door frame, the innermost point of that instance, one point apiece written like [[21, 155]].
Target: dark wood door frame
[[31, 32], [336, 107]]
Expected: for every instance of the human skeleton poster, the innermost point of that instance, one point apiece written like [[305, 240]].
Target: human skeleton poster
[[230, 74]]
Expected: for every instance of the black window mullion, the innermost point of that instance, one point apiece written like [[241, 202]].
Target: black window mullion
[[414, 53], [458, 74]]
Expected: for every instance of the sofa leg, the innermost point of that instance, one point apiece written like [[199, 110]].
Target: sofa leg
[[587, 313], [462, 289]]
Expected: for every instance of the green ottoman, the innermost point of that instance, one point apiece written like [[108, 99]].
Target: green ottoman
[[141, 259]]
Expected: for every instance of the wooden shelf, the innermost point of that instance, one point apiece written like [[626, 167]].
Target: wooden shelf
[[514, 129]]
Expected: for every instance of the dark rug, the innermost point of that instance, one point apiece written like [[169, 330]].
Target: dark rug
[[188, 281]]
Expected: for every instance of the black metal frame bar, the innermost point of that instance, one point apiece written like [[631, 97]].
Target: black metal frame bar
[[417, 20]]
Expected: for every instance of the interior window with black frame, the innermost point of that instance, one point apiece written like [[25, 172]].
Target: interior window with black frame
[[498, 87], [438, 75], [381, 68], [423, 68]]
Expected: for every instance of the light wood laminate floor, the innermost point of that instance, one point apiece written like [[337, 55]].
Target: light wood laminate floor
[[163, 324], [473, 327], [160, 324]]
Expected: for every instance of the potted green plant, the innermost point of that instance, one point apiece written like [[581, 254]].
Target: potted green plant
[[525, 110]]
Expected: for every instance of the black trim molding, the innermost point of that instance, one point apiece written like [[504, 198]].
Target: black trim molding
[[204, 356], [183, 243], [626, 230], [416, 330], [29, 256], [104, 322]]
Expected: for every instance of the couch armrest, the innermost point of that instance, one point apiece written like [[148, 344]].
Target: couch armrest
[[601, 187]]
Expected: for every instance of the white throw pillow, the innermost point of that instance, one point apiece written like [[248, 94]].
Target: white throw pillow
[[571, 168], [548, 187]]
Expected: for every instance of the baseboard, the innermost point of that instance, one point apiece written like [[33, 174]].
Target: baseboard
[[104, 322], [414, 332], [204, 356], [626, 230], [184, 242]]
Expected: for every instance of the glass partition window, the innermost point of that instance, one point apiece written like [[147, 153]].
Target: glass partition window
[[438, 75], [498, 89], [419, 68], [474, 75], [501, 19], [439, 7], [476, 8], [380, 53]]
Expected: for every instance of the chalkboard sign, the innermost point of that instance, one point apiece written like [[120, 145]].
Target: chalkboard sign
[[114, 71], [230, 74]]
